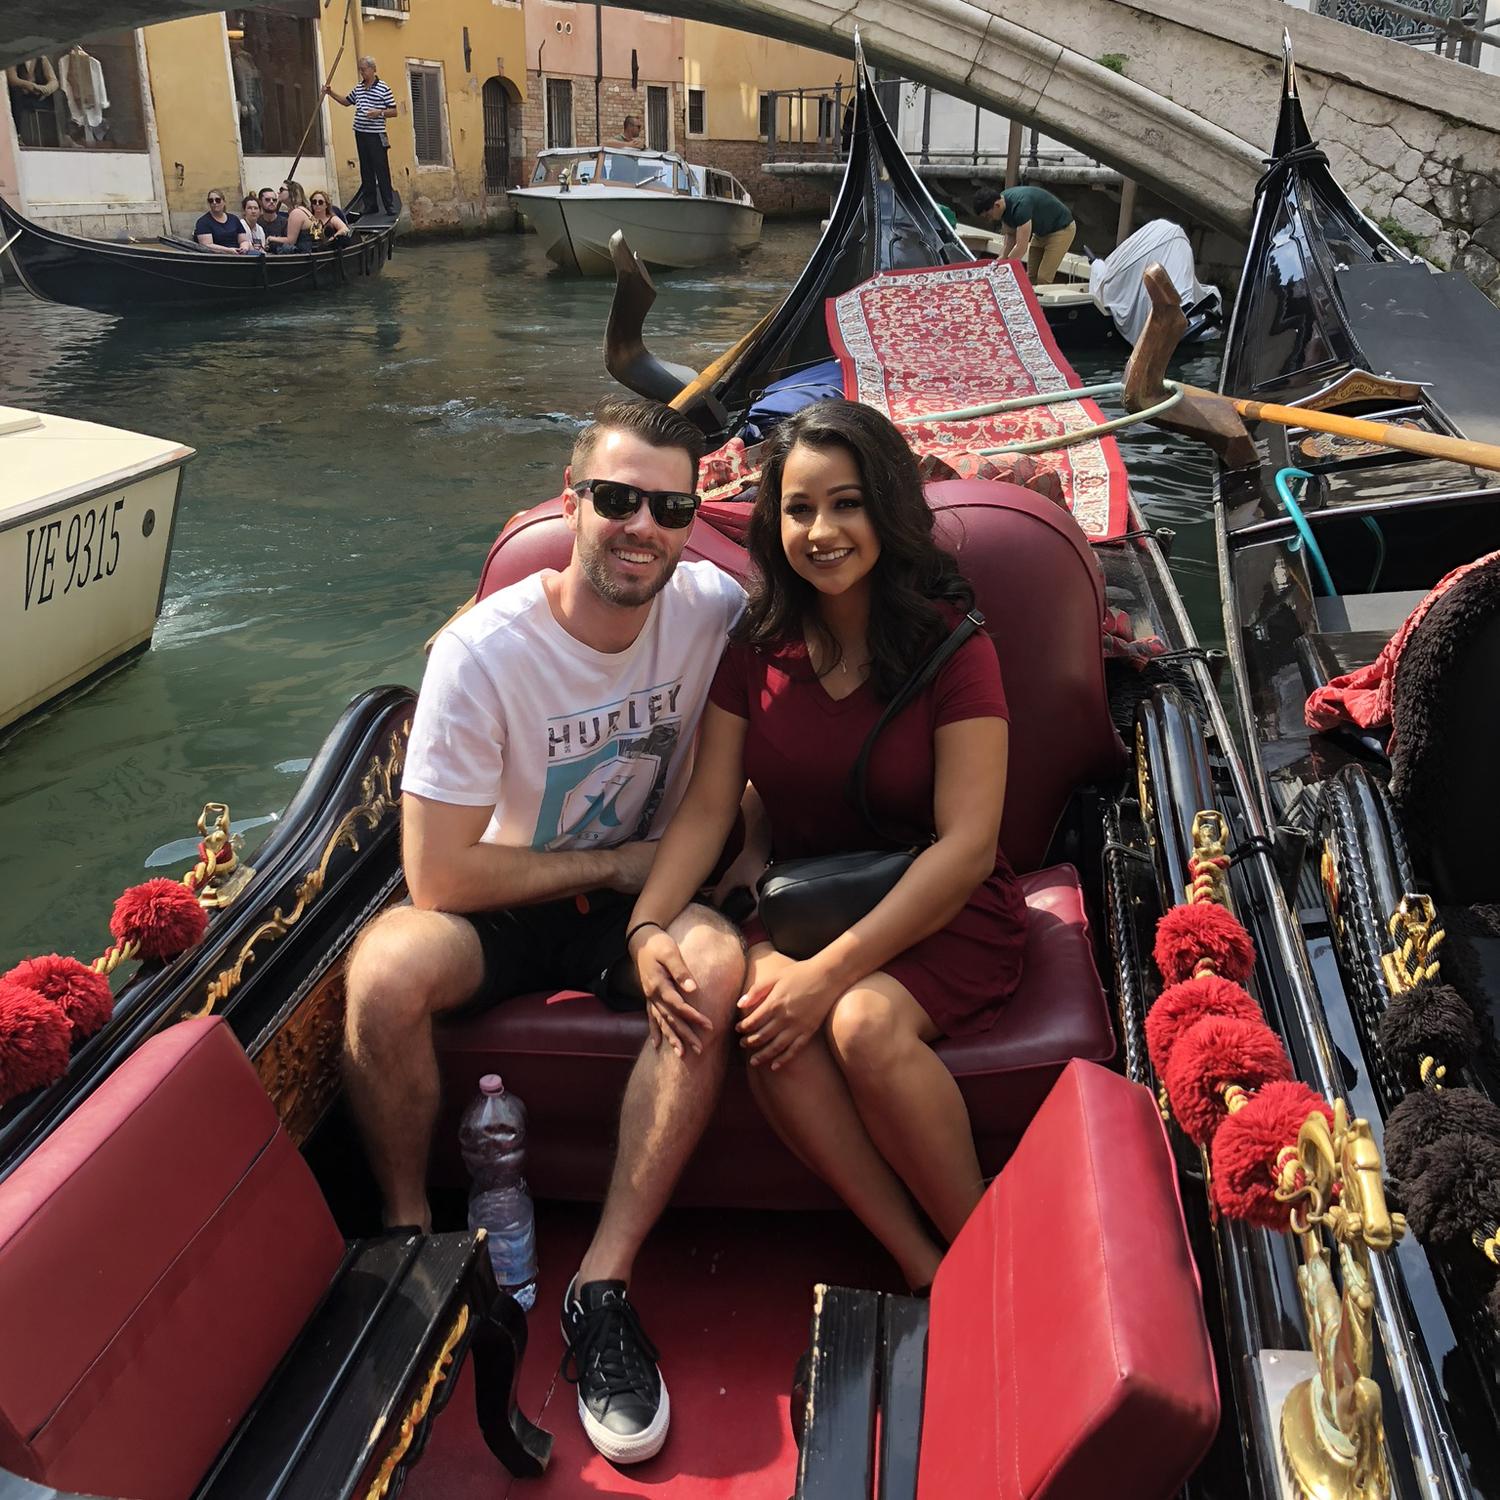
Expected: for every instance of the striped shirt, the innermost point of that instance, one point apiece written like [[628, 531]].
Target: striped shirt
[[375, 95]]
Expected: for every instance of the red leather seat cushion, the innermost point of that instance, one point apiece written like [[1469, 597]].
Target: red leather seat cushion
[[158, 1254], [1067, 1354], [569, 1058]]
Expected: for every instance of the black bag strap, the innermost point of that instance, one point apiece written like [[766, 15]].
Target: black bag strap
[[910, 689]]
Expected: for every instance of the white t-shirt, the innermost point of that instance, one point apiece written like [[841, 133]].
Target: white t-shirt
[[574, 748], [257, 234]]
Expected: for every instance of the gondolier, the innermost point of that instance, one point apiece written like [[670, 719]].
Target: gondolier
[[373, 104]]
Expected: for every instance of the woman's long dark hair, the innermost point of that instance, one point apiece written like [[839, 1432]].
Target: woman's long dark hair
[[911, 580]]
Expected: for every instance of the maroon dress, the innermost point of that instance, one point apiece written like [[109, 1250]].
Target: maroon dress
[[799, 749]]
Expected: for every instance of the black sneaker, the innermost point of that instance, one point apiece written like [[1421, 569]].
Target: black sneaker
[[622, 1400]]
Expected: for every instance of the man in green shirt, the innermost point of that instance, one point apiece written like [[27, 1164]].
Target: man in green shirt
[[1037, 226]]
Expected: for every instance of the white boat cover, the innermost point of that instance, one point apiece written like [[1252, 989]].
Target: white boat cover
[[1117, 282]]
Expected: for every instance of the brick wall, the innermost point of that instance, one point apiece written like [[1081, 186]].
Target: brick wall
[[776, 197], [616, 100]]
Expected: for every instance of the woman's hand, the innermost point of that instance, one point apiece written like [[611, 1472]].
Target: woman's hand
[[668, 985], [780, 1016]]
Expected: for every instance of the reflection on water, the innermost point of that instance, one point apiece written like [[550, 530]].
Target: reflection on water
[[356, 456]]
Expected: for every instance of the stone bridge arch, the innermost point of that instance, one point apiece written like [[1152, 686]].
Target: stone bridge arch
[[1413, 137]]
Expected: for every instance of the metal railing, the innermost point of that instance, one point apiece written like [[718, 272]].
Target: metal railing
[[1455, 29], [807, 124]]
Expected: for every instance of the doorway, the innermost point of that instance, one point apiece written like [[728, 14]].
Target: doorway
[[503, 162]]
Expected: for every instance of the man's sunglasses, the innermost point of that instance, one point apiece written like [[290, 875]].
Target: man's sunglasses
[[672, 509]]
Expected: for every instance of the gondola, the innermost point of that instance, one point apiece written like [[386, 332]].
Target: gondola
[[1110, 1319], [1383, 822], [128, 278]]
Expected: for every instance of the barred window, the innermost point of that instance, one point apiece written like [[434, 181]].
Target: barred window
[[559, 112], [767, 114], [697, 113], [426, 84]]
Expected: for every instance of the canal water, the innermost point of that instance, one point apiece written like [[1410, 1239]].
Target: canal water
[[356, 456]]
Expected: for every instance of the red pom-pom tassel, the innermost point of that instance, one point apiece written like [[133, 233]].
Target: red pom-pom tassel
[[1188, 934], [1218, 1051], [82, 995], [35, 1039], [1181, 1006], [1247, 1146], [161, 916]]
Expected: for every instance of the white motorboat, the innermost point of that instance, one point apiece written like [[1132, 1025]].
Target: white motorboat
[[674, 214], [87, 515]]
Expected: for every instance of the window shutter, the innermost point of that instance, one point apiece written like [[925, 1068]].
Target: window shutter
[[427, 115]]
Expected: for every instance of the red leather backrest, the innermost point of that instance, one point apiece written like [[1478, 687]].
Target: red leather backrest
[[1067, 1354], [158, 1254], [1043, 600]]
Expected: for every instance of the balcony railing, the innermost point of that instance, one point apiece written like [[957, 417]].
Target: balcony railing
[[1451, 28]]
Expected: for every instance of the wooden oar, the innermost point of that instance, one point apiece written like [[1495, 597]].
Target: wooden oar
[[1219, 420], [690, 392]]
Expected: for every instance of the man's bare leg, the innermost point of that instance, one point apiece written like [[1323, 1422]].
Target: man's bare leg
[[668, 1101], [407, 966]]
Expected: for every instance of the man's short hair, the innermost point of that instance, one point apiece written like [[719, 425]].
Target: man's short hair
[[371, 62], [652, 421], [985, 199]]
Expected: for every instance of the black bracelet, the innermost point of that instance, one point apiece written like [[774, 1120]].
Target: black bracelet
[[637, 928]]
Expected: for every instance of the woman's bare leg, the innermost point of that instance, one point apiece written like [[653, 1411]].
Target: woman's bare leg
[[810, 1107], [908, 1100]]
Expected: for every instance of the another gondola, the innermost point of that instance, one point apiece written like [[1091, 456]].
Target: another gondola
[[1383, 832], [128, 278], [1127, 793]]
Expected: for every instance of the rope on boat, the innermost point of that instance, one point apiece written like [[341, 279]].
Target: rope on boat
[[1175, 393]]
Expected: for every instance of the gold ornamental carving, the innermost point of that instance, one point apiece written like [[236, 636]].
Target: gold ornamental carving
[[299, 1067], [417, 1413], [378, 797], [1332, 1434], [1418, 934]]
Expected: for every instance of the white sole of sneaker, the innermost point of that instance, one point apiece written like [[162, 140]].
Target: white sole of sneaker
[[628, 1450]]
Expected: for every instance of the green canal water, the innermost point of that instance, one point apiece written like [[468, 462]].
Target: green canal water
[[355, 457]]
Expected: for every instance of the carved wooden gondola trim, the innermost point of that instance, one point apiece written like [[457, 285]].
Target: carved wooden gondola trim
[[417, 1413], [380, 797]]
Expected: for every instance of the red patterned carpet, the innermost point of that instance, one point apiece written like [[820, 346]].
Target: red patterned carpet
[[913, 342]]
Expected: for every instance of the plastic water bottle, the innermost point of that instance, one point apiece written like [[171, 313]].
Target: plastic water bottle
[[492, 1138]]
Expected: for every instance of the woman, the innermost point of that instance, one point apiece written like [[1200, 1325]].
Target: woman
[[326, 228], [298, 237], [853, 595], [220, 230], [250, 215]]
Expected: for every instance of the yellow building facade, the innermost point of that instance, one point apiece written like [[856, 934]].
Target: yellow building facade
[[728, 76], [128, 136]]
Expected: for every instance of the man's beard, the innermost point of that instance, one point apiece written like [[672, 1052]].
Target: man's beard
[[594, 556]]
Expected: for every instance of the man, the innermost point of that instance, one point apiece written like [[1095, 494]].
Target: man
[[373, 104], [272, 214], [1037, 225], [219, 229], [550, 745], [630, 134]]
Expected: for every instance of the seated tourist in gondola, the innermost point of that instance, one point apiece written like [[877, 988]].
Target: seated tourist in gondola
[[853, 597], [254, 229], [327, 228], [218, 229], [549, 747], [272, 214], [297, 236]]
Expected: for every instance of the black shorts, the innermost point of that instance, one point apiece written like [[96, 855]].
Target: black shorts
[[577, 943]]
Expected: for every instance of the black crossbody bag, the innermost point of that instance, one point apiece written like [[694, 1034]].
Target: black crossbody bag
[[806, 903]]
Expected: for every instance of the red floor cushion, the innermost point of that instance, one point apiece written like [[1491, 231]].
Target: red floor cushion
[[568, 1058], [1067, 1354], [159, 1252]]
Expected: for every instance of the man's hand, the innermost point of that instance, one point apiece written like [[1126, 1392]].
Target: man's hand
[[742, 875], [630, 866], [668, 985]]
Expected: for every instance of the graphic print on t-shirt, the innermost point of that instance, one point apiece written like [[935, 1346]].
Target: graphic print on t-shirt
[[607, 770]]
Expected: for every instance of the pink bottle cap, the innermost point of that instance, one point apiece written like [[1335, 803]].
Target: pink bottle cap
[[491, 1084]]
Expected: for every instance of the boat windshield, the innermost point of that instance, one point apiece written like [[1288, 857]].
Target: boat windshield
[[637, 171], [580, 168]]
